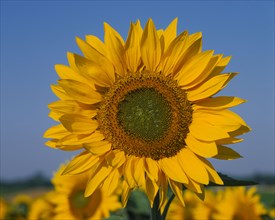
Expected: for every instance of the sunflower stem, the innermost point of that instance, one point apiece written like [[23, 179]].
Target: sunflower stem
[[165, 211], [156, 215]]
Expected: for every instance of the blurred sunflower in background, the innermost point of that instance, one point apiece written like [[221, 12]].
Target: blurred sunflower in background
[[19, 207], [178, 211], [144, 111], [194, 208], [3, 208], [230, 203], [69, 201], [239, 203], [41, 207]]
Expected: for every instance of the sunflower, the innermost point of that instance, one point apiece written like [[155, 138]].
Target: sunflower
[[207, 208], [195, 209], [41, 208], [240, 204], [19, 207], [177, 211], [70, 203], [144, 111], [3, 208]]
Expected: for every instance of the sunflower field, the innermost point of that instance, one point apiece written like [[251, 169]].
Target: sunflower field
[[49, 201], [147, 119]]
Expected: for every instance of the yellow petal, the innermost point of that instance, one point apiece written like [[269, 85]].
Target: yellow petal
[[242, 130], [233, 116], [70, 139], [132, 49], [230, 140], [193, 47], [201, 195], [150, 47], [115, 158], [194, 68], [96, 57], [51, 143], [205, 73], [152, 168], [192, 166], [218, 103], [81, 163], [173, 53], [226, 153], [163, 188], [79, 91], [96, 136], [99, 147], [111, 183], [74, 139], [99, 176], [126, 190], [60, 93], [129, 171], [177, 190], [194, 186], [62, 107], [65, 72], [78, 124], [71, 61], [151, 190], [56, 132], [213, 175], [193, 38], [220, 66], [138, 29], [210, 87], [206, 132], [93, 71], [96, 43], [170, 32], [66, 143], [223, 119], [115, 49], [54, 115], [172, 169], [139, 172], [60, 146], [202, 148], [162, 46]]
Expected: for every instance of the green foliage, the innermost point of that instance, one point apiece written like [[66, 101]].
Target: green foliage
[[35, 181], [229, 181]]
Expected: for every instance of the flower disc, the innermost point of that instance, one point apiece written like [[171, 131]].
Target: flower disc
[[70, 203], [147, 115]]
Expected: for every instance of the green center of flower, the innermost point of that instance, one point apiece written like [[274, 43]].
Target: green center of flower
[[78, 200], [144, 113]]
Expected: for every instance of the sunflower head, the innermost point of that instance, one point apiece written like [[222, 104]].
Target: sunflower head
[[70, 203], [240, 203], [19, 207], [146, 116], [42, 208], [3, 208], [145, 110]]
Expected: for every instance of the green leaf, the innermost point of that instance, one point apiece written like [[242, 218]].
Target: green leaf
[[138, 206], [266, 217], [229, 181]]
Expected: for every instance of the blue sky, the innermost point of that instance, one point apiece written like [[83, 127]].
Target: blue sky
[[35, 35]]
